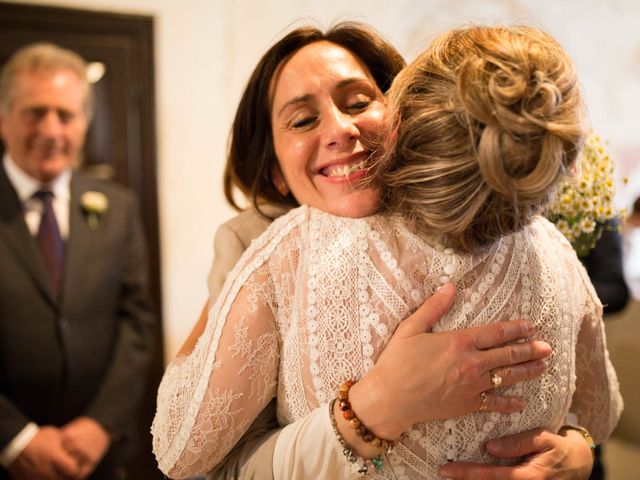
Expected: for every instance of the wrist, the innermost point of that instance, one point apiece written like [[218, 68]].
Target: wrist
[[17, 445], [375, 409], [348, 434], [583, 448], [583, 432]]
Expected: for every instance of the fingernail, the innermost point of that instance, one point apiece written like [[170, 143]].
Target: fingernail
[[544, 346], [447, 288]]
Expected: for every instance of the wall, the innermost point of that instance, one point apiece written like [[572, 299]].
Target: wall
[[205, 50]]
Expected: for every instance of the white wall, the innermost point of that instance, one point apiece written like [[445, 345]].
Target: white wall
[[205, 50]]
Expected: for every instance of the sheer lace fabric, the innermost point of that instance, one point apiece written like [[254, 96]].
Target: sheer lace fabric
[[315, 300]]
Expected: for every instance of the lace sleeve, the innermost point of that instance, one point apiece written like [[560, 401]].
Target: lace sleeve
[[208, 399], [597, 401]]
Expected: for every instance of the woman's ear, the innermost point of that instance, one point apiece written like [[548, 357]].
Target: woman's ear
[[278, 181]]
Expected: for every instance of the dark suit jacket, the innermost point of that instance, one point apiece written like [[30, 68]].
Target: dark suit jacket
[[604, 266], [86, 354]]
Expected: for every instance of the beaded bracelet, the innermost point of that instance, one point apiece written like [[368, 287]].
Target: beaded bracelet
[[360, 430], [355, 423], [361, 465]]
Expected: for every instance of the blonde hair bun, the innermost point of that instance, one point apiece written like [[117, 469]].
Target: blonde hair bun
[[488, 119]]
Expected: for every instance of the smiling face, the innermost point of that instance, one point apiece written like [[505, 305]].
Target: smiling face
[[45, 125], [327, 114]]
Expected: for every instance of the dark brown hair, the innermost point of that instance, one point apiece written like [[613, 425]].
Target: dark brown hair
[[251, 156]]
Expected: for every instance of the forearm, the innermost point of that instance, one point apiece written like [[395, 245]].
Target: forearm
[[300, 450], [17, 444], [12, 421], [252, 458], [252, 455], [309, 448]]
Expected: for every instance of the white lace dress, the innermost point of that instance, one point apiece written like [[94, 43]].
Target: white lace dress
[[316, 298]]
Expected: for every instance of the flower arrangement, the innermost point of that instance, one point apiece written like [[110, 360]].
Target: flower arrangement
[[94, 204], [583, 207]]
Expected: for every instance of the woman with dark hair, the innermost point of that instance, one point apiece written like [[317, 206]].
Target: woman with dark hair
[[336, 119]]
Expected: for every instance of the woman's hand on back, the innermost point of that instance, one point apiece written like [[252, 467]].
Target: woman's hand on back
[[548, 456], [424, 376]]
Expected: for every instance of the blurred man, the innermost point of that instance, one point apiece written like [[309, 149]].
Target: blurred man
[[75, 322]]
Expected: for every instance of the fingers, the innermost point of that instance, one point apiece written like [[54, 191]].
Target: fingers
[[475, 471], [515, 354], [518, 373], [520, 444], [66, 466], [493, 334], [85, 471], [432, 310], [501, 404]]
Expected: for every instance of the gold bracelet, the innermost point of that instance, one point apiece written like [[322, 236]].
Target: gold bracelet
[[585, 434]]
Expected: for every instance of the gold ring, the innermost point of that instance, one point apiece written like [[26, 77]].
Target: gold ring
[[496, 380], [483, 402]]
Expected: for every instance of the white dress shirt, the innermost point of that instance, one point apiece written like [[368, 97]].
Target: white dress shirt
[[26, 186]]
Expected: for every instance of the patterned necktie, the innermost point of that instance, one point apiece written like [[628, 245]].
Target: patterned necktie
[[50, 241]]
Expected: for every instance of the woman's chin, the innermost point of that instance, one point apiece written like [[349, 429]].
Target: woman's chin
[[356, 204]]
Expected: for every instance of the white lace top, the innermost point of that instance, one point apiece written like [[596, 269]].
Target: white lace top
[[316, 298]]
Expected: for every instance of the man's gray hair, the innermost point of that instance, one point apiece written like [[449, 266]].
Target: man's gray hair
[[43, 56]]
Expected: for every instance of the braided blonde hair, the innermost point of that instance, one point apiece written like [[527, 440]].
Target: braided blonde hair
[[485, 121]]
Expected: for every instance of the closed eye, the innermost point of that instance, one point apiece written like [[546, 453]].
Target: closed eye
[[304, 122], [359, 106]]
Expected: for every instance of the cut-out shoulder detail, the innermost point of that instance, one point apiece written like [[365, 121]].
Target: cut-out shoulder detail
[[315, 300]]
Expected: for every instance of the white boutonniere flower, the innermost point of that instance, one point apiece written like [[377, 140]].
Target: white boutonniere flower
[[94, 204]]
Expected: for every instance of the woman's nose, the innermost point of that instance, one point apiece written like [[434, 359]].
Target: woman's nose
[[341, 129]]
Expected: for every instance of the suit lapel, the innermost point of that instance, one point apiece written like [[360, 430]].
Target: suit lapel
[[16, 235], [80, 238]]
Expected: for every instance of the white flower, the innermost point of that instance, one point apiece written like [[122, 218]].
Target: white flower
[[587, 225], [94, 202]]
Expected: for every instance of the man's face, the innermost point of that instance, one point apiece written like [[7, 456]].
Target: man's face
[[45, 126]]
